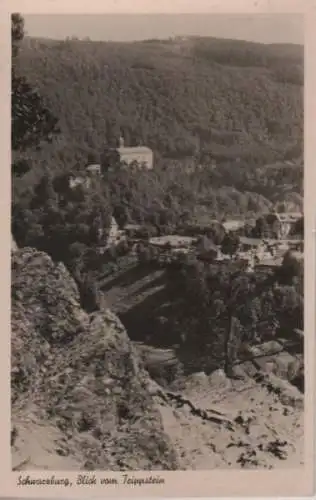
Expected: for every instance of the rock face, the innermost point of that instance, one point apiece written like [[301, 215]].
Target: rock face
[[80, 400]]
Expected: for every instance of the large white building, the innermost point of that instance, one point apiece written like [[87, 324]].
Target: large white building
[[141, 155]]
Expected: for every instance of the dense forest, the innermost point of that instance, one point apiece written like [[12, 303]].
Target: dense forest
[[208, 311], [197, 103], [180, 98]]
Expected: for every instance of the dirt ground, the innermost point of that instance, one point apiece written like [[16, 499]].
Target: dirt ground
[[267, 430]]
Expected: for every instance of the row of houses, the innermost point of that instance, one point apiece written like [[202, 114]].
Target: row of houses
[[268, 245], [280, 224], [253, 250]]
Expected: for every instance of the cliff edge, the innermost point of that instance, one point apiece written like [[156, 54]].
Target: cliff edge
[[80, 399]]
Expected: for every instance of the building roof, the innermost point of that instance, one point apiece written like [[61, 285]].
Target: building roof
[[76, 181], [132, 227], [250, 241], [203, 224], [233, 224], [270, 262], [250, 222], [288, 216], [173, 240], [136, 149], [278, 242], [93, 166]]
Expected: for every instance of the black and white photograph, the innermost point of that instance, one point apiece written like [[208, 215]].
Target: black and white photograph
[[157, 243]]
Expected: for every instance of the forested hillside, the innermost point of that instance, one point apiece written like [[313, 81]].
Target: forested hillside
[[181, 98], [193, 101]]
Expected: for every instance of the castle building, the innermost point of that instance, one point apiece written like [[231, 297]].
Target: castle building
[[141, 155]]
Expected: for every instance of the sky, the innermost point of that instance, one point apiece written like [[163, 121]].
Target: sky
[[264, 28]]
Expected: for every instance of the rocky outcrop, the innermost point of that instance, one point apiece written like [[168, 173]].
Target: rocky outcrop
[[79, 397]]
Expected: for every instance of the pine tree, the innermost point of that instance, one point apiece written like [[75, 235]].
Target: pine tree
[[32, 122]]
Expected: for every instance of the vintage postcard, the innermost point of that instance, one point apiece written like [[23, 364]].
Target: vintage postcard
[[158, 257]]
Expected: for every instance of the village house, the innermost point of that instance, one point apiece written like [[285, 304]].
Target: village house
[[268, 264], [200, 228], [255, 248], [210, 254], [92, 171], [284, 222], [233, 225], [132, 229], [248, 244], [234, 265], [172, 241], [114, 230], [75, 180], [116, 235]]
